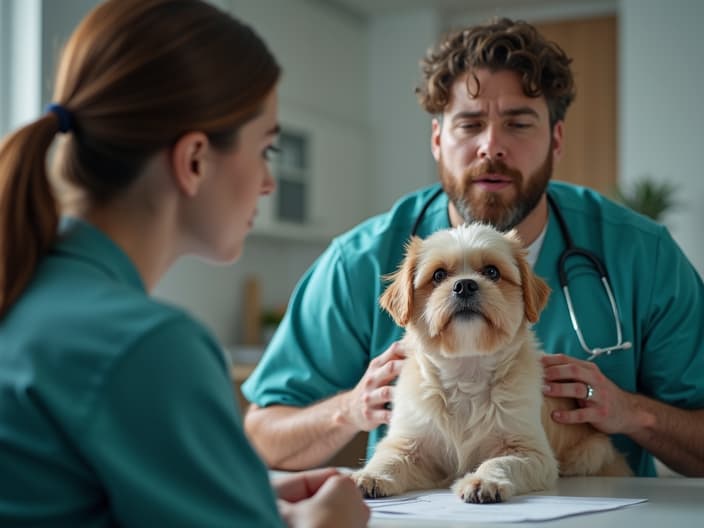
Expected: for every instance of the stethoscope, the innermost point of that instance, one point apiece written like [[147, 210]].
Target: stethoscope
[[570, 251]]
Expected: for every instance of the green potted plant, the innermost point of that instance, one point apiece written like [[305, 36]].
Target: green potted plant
[[649, 197], [270, 319]]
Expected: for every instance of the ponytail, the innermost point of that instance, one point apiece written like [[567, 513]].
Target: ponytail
[[28, 210]]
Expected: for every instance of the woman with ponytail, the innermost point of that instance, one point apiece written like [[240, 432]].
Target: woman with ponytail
[[116, 409]]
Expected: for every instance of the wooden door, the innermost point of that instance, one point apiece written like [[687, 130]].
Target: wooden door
[[590, 154]]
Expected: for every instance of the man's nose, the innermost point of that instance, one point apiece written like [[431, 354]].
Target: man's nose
[[491, 144]]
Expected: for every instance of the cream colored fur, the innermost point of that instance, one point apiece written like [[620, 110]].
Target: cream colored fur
[[468, 409]]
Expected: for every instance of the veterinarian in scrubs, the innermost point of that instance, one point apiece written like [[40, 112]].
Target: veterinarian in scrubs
[[116, 409], [499, 94]]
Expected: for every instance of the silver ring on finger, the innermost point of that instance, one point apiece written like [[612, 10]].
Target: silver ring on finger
[[590, 392]]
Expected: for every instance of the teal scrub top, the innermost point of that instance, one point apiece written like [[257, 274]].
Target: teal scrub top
[[116, 409], [333, 326]]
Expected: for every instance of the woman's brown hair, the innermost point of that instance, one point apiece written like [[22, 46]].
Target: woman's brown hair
[[134, 77], [502, 44]]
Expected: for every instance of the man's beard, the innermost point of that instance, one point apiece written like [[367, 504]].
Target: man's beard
[[474, 204]]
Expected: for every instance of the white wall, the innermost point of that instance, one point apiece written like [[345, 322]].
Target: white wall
[[400, 128], [20, 71], [536, 12], [661, 110], [58, 20], [322, 51], [32, 33]]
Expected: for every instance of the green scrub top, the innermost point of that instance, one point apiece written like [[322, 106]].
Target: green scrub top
[[116, 409], [334, 326]]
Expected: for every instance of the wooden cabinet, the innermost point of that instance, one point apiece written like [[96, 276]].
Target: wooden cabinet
[[322, 175], [239, 373]]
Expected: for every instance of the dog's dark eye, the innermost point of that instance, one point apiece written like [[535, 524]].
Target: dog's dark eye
[[439, 275], [491, 272]]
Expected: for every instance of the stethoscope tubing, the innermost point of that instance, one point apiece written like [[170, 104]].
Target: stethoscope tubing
[[571, 249]]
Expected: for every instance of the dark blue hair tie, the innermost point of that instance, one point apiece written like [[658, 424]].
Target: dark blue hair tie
[[65, 119]]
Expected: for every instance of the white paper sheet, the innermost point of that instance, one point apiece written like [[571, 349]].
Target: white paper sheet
[[444, 505]]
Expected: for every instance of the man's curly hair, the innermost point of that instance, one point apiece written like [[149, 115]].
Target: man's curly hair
[[502, 44]]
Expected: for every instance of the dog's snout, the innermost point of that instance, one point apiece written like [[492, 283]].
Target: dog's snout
[[465, 288]]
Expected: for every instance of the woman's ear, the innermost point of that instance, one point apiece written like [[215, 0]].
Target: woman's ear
[[189, 163]]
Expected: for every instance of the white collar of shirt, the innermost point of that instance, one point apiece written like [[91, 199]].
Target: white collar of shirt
[[534, 248]]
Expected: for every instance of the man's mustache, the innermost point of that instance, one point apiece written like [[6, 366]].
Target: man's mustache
[[491, 166]]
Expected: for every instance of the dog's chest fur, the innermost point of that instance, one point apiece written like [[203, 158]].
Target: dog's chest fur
[[462, 410]]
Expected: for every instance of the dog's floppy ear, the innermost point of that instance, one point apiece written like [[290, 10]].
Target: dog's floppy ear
[[535, 290], [398, 297]]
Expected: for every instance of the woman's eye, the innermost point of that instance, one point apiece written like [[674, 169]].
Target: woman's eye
[[491, 272], [270, 152], [439, 276]]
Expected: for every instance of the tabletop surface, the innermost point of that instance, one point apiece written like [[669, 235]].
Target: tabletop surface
[[672, 503]]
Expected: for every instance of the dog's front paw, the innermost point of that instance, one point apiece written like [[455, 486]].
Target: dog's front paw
[[374, 486], [476, 489]]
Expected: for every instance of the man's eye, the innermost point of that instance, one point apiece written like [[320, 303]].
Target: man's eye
[[491, 272], [439, 275]]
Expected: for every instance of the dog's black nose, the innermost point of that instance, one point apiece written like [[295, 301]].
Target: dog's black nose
[[464, 288]]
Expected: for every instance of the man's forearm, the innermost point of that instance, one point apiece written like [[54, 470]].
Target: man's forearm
[[295, 438], [673, 435]]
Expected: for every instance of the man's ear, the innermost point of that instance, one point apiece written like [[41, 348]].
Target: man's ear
[[435, 138], [188, 162], [398, 297], [558, 137]]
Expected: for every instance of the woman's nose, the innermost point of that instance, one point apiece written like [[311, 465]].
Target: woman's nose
[[269, 183]]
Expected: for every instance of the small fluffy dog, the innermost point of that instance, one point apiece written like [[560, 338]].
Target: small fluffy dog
[[468, 404]]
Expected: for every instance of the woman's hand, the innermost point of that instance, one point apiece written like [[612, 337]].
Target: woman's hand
[[321, 498]]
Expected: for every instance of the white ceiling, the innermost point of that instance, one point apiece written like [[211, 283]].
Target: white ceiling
[[366, 8]]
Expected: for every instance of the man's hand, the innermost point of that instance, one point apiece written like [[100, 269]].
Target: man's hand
[[366, 405], [609, 409], [295, 438], [671, 434]]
